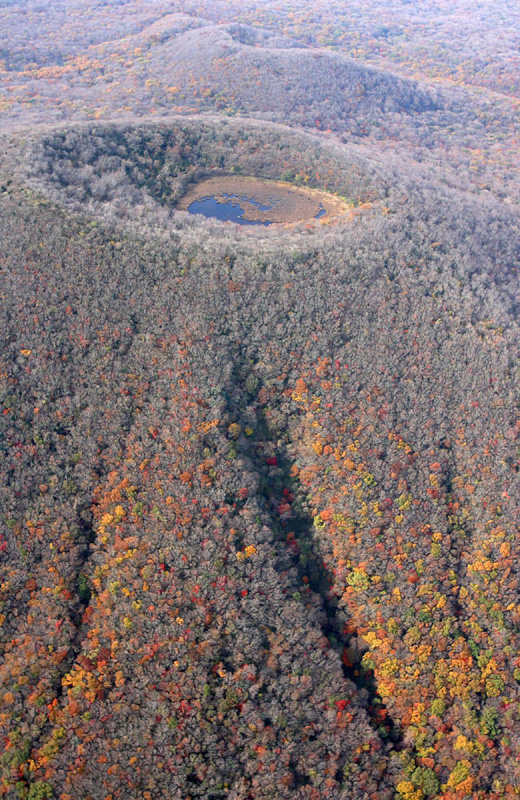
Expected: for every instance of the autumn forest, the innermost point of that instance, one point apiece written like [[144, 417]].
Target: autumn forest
[[259, 485]]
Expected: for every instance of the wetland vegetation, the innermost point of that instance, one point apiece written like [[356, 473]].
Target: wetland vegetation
[[256, 200]]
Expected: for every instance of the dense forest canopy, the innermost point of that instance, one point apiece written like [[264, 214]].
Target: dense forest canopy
[[259, 496]]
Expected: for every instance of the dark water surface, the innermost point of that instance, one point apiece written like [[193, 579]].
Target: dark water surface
[[233, 211]]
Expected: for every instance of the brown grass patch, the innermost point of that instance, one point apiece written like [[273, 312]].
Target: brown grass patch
[[289, 203]]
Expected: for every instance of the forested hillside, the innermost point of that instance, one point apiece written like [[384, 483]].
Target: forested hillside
[[259, 497]]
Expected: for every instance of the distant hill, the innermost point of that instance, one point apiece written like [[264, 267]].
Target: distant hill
[[157, 61], [259, 73]]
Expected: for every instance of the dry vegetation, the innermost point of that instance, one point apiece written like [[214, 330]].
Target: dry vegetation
[[287, 203]]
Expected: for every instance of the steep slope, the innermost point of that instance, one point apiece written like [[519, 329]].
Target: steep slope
[[154, 641], [253, 499]]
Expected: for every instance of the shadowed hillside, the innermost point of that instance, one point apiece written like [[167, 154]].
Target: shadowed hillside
[[268, 74]]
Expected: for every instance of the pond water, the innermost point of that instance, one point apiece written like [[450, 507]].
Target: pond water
[[233, 210]]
